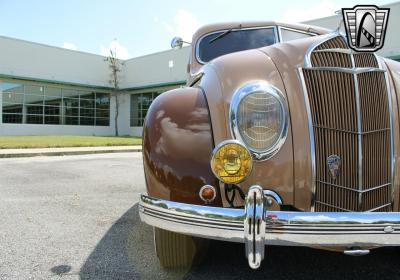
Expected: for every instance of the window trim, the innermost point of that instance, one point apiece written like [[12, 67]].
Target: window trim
[[274, 27], [277, 33], [294, 30]]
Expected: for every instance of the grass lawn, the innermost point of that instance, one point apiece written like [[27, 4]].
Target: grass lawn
[[14, 142]]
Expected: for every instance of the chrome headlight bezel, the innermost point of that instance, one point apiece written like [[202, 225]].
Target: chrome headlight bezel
[[259, 87]]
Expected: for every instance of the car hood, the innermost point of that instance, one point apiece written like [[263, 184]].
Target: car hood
[[278, 65]]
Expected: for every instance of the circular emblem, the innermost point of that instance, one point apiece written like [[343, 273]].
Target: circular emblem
[[334, 162]]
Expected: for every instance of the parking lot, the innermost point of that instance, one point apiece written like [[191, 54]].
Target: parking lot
[[75, 217]]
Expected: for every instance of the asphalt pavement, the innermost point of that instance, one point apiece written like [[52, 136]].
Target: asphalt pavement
[[75, 217]]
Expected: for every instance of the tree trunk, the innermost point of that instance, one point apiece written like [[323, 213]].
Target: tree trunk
[[116, 113]]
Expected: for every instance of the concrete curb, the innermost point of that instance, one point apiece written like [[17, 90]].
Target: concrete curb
[[31, 153]]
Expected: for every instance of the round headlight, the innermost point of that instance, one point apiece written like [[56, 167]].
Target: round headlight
[[231, 162], [259, 118]]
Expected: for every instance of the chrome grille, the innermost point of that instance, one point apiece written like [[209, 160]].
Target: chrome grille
[[365, 60], [350, 117]]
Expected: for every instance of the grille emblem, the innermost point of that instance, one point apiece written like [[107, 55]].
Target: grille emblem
[[365, 27], [334, 162]]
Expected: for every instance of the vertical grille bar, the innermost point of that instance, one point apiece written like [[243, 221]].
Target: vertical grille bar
[[350, 117], [365, 60], [359, 139]]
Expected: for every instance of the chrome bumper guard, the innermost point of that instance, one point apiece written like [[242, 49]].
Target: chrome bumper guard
[[256, 226]]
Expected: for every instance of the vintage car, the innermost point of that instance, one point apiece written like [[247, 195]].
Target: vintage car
[[282, 136]]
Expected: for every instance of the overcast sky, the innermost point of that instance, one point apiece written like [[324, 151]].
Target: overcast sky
[[143, 27]]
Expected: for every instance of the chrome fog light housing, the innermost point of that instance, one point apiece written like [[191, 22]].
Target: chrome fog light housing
[[259, 118], [231, 162]]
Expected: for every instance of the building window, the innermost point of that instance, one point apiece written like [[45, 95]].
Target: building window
[[140, 104], [102, 105], [33, 104], [13, 100]]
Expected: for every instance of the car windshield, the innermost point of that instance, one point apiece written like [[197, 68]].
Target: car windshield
[[228, 41]]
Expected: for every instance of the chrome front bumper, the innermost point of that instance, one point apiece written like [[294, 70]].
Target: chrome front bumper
[[256, 226]]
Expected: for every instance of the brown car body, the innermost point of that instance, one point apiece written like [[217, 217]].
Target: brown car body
[[211, 95], [288, 172], [183, 126]]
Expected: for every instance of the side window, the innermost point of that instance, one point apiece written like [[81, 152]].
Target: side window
[[288, 35]]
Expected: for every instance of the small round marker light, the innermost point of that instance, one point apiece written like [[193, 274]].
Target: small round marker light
[[231, 162], [207, 193]]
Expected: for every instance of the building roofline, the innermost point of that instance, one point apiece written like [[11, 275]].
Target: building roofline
[[54, 82], [50, 46], [175, 83], [82, 52], [332, 16]]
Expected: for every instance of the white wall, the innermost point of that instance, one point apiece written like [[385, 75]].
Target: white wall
[[42, 63], [155, 69], [38, 129], [25, 59], [392, 39], [31, 60], [136, 131], [124, 115]]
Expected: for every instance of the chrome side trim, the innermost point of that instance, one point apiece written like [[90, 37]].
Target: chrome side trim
[[389, 91], [353, 189], [359, 131], [294, 30], [243, 91], [274, 195], [351, 132], [379, 207], [323, 38], [354, 70], [337, 50], [332, 206], [311, 137], [195, 78]]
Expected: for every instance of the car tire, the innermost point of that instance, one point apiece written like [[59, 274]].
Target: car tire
[[175, 250]]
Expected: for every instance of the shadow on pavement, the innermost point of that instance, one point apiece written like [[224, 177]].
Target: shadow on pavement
[[126, 252], [61, 269], [227, 261]]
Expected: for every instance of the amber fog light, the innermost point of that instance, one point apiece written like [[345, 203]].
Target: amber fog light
[[231, 162]]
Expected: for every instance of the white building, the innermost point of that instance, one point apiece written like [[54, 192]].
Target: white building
[[48, 90]]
